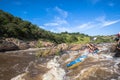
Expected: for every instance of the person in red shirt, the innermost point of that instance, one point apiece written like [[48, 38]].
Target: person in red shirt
[[118, 35]]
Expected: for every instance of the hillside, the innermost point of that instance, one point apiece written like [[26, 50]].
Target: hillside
[[15, 27], [11, 26], [104, 39]]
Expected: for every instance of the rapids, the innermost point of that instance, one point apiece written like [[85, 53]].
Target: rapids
[[101, 66]]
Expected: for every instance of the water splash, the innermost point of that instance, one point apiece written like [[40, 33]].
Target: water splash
[[55, 72], [19, 77]]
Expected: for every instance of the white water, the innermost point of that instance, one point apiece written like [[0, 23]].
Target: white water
[[55, 72], [89, 68], [19, 77]]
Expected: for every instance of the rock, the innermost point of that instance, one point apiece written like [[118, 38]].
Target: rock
[[23, 46], [62, 46], [7, 46], [113, 48], [32, 44], [117, 54], [75, 47], [47, 44]]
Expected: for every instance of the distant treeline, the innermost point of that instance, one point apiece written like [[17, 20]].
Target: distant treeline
[[11, 26]]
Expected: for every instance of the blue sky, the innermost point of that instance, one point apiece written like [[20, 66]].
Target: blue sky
[[92, 17]]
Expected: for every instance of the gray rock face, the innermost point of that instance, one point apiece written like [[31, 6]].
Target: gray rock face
[[21, 44], [7, 46], [10, 44]]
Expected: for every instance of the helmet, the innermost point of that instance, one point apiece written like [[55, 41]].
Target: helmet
[[119, 33]]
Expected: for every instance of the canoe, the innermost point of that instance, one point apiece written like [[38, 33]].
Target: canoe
[[76, 62]]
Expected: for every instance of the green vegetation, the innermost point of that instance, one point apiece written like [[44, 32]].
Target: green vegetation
[[15, 27], [103, 39], [42, 53]]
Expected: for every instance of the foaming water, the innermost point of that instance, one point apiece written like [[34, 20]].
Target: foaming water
[[19, 77], [55, 72], [101, 66], [97, 67]]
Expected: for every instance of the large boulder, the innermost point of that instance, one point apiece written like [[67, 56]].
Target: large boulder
[[7, 46], [22, 45]]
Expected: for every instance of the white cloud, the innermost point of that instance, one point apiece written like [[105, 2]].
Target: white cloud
[[57, 22], [101, 18], [61, 25], [60, 21], [103, 22], [108, 23], [62, 29], [100, 22], [51, 24], [59, 18], [62, 12], [86, 25], [42, 27]]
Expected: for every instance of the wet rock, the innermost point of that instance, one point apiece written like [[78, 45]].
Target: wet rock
[[7, 46], [19, 43], [117, 53], [23, 46], [75, 47]]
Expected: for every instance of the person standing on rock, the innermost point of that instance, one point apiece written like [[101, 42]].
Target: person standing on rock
[[117, 54]]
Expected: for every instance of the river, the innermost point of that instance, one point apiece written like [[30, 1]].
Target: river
[[25, 66]]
